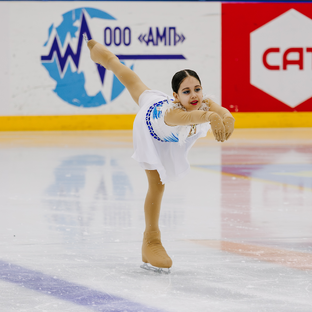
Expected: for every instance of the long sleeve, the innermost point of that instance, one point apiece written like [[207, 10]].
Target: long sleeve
[[221, 111], [178, 117], [227, 118]]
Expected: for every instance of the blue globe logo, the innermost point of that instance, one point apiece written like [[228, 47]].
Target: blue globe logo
[[63, 60]]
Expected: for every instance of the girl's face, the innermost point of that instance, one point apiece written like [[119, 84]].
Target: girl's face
[[190, 93]]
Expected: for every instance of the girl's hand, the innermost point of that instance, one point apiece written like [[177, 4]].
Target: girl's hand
[[229, 126], [217, 126]]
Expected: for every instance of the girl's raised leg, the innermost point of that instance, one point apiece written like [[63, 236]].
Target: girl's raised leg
[[101, 55], [152, 250]]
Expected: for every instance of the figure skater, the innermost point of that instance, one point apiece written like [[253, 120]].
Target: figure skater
[[163, 132]]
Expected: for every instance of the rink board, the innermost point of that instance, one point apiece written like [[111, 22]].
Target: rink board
[[48, 81], [49, 70], [125, 121]]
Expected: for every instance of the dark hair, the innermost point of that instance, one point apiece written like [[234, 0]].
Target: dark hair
[[180, 76]]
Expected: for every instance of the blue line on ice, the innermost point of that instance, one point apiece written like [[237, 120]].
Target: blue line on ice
[[74, 293]]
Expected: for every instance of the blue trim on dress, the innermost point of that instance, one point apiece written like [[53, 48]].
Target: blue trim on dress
[[155, 111]]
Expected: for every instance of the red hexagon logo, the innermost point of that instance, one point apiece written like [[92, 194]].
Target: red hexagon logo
[[280, 58], [267, 57]]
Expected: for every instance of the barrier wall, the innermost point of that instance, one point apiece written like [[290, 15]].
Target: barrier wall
[[48, 81], [267, 63]]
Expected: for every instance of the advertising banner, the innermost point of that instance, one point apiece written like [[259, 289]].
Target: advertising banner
[[45, 65], [267, 57], [252, 58]]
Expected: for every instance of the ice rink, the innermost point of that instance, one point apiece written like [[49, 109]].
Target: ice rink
[[238, 227]]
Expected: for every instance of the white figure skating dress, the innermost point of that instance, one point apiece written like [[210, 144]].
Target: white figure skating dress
[[158, 146]]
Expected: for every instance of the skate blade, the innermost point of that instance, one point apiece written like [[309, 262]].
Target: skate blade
[[85, 37], [149, 267]]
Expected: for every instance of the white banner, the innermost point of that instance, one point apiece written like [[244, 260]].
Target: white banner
[[46, 68]]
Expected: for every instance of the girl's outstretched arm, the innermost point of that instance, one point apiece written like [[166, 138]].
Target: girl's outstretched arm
[[178, 117], [101, 55]]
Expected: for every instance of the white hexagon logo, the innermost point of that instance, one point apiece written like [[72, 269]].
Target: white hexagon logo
[[281, 58]]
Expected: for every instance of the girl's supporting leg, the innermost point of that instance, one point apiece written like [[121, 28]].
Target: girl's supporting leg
[[101, 55], [153, 200], [152, 250]]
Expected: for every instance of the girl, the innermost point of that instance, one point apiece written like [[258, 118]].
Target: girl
[[163, 132]]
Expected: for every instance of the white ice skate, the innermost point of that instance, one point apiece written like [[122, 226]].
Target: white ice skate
[[85, 37], [149, 267]]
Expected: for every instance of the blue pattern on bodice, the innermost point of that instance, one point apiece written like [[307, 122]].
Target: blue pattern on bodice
[[155, 112]]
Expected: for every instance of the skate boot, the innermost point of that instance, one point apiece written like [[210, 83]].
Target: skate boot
[[154, 253], [99, 53]]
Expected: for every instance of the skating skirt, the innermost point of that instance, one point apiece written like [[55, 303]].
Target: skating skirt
[[168, 158]]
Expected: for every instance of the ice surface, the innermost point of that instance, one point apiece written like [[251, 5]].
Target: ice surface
[[238, 227]]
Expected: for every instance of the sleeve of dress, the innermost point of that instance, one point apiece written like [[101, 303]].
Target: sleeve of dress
[[227, 118], [221, 111], [178, 117]]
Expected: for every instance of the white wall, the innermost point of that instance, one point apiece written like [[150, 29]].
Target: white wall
[[27, 88]]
